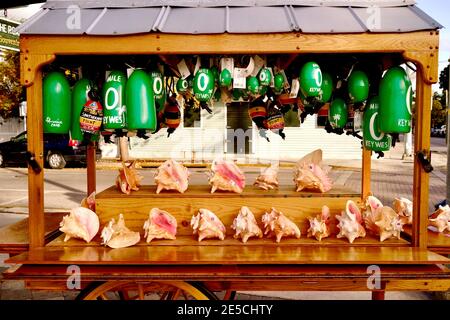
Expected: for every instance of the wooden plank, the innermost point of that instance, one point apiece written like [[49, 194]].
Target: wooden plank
[[204, 191], [36, 148], [190, 240], [421, 178], [366, 173], [230, 43], [229, 255], [14, 237], [437, 242], [226, 206]]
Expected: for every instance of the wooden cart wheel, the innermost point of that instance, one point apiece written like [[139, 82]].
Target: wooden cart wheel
[[142, 290]]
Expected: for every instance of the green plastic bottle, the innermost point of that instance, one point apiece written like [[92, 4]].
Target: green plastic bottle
[[337, 114], [56, 101], [358, 86], [140, 102], [253, 85], [225, 78], [395, 101], [114, 109], [265, 77], [311, 79], [203, 85], [79, 98], [157, 81]]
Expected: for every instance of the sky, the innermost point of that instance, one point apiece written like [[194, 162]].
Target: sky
[[438, 9]]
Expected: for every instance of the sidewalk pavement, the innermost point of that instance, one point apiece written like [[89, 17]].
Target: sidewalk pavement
[[391, 177]]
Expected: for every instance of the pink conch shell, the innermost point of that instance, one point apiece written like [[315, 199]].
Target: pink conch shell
[[207, 225], [350, 222], [89, 202], [226, 176], [277, 225], [117, 235], [160, 225], [172, 175], [384, 222], [268, 179], [129, 178], [310, 174], [81, 223], [404, 208], [372, 204], [246, 226], [319, 227], [440, 219]]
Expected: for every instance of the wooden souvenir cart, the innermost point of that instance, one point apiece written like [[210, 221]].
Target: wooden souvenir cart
[[199, 269]]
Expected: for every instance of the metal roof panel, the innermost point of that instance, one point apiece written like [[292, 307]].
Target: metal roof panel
[[63, 21], [125, 21], [327, 20], [259, 20], [194, 21]]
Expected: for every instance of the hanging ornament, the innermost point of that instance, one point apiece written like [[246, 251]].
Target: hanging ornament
[[215, 73], [172, 115], [114, 102], [91, 116], [79, 98], [157, 83], [311, 80], [265, 77], [182, 86], [253, 85], [258, 114], [337, 114], [395, 101], [358, 87], [56, 101], [374, 139], [278, 83], [275, 120], [327, 88], [204, 87], [225, 78]]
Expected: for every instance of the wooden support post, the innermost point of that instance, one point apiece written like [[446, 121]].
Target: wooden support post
[[36, 148], [421, 178], [91, 168], [366, 173], [378, 295]]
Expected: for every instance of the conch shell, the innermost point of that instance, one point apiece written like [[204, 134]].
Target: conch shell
[[277, 225], [440, 219], [268, 179], [350, 222], [160, 225], [89, 202], [117, 235], [81, 223], [226, 176], [319, 227], [129, 178], [207, 225], [311, 175], [385, 222], [246, 226], [172, 175], [404, 208]]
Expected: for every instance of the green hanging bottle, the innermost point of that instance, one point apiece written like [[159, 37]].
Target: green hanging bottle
[[358, 86], [56, 102], [374, 139], [140, 102], [337, 114], [114, 110]]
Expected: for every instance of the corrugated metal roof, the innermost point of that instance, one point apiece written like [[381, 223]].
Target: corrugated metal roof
[[114, 17]]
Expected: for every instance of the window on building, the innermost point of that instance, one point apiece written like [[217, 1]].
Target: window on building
[[191, 117]]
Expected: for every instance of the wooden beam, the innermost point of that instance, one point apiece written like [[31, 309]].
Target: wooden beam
[[366, 173], [91, 168], [421, 178]]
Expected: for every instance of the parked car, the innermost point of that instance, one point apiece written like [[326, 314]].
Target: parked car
[[442, 131], [59, 150]]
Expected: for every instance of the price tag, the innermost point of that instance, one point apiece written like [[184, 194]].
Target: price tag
[[258, 64], [129, 72], [227, 63], [272, 81], [357, 122], [183, 69], [295, 87], [239, 78]]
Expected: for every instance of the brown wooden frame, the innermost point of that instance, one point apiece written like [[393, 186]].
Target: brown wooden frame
[[420, 48]]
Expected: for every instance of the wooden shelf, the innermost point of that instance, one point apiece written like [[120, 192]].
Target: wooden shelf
[[437, 242], [230, 255], [204, 191]]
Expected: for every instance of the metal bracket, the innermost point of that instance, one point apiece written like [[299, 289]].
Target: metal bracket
[[31, 160], [425, 161]]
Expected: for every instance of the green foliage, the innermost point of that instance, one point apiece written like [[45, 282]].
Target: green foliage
[[438, 113], [443, 79], [11, 92]]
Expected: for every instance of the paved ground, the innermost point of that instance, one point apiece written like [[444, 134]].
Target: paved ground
[[391, 177]]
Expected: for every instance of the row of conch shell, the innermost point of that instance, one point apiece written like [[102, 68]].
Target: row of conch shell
[[277, 225], [207, 225], [440, 219], [310, 174], [404, 208], [351, 222], [246, 226], [129, 178], [268, 179], [160, 225], [226, 176], [381, 220], [172, 175], [81, 223], [117, 235], [319, 226]]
